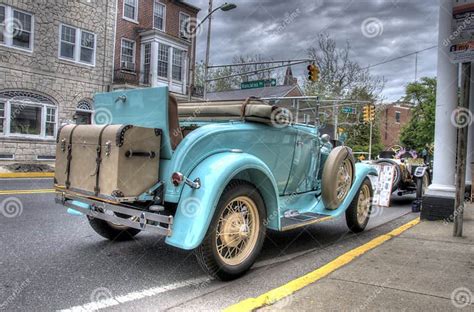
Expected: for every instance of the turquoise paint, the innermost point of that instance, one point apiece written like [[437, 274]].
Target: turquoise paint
[[271, 158], [196, 207]]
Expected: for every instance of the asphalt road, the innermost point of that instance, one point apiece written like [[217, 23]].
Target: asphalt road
[[50, 260]]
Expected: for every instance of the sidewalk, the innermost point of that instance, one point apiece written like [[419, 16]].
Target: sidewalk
[[422, 269]]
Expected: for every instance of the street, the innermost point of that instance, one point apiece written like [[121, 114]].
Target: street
[[52, 261]]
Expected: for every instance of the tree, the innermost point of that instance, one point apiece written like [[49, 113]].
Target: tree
[[339, 74], [418, 134]]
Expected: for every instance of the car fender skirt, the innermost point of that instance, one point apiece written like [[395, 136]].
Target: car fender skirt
[[196, 206]]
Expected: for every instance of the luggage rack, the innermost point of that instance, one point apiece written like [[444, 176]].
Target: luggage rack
[[134, 218]]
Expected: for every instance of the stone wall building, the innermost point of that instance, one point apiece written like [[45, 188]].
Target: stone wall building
[[54, 56], [392, 119], [153, 44]]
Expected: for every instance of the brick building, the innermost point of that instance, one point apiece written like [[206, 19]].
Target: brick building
[[393, 118], [153, 44], [54, 56]]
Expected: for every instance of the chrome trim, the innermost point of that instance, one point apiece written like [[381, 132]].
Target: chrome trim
[[98, 210]]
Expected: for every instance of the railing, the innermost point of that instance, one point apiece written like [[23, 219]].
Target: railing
[[124, 76]]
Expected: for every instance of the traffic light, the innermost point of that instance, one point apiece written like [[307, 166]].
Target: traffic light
[[368, 113], [313, 73], [372, 112]]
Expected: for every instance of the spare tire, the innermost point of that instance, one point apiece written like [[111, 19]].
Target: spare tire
[[397, 174], [338, 175]]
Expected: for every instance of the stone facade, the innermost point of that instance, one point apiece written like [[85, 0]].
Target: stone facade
[[41, 71], [392, 119]]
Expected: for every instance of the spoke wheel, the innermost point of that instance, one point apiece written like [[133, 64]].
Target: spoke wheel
[[236, 233], [363, 204], [358, 213], [344, 179], [237, 230]]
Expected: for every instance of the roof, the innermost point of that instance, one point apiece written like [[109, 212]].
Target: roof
[[277, 91], [188, 5]]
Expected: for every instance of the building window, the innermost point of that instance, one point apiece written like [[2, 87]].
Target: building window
[[146, 63], [27, 114], [2, 24], [177, 70], [397, 117], [184, 25], [128, 55], [19, 32], [163, 60], [2, 116], [84, 111], [68, 40], [77, 45], [159, 11], [130, 9]]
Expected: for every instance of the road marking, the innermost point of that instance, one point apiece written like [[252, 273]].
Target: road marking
[[13, 175], [136, 295], [281, 292], [23, 192]]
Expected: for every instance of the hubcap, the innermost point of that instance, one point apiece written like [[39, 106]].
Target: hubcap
[[344, 179], [363, 204], [237, 230]]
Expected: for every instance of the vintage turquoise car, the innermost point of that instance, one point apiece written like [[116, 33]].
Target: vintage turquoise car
[[225, 172]]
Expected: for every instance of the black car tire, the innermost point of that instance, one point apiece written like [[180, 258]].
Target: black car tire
[[209, 257], [112, 232]]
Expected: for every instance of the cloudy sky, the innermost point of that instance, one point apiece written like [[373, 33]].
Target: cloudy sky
[[378, 30]]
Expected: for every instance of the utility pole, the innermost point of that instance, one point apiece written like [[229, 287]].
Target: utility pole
[[370, 139], [462, 152], [208, 47]]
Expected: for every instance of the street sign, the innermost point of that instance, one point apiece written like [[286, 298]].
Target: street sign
[[348, 110], [461, 43], [258, 84]]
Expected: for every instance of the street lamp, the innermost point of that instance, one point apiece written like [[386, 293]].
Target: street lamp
[[225, 7]]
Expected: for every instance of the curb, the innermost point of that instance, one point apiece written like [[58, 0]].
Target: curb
[[13, 175], [276, 294]]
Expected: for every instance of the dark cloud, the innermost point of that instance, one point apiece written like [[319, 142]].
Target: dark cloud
[[283, 29]]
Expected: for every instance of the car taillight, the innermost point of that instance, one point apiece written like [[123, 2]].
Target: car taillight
[[177, 178]]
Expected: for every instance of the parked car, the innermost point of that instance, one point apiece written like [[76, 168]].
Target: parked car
[[411, 173], [212, 177]]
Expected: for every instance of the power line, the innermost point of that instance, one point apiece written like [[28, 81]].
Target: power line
[[400, 57]]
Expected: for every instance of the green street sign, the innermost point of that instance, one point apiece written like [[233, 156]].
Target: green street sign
[[348, 110], [258, 84]]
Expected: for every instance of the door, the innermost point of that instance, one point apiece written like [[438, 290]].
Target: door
[[303, 175]]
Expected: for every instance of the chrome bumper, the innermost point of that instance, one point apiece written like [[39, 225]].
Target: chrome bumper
[[137, 219]]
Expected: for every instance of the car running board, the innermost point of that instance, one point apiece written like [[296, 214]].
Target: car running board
[[300, 220]]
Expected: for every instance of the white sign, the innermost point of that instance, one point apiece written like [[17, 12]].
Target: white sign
[[461, 41], [383, 185]]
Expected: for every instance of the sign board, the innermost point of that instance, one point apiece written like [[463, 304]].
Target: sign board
[[461, 41], [348, 110], [382, 185], [258, 84]]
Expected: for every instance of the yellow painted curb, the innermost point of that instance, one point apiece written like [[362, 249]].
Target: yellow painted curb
[[22, 192], [281, 292], [27, 175]]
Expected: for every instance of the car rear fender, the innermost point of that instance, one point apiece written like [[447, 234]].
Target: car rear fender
[[196, 207]]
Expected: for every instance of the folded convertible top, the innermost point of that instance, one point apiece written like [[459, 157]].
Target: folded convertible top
[[251, 109]]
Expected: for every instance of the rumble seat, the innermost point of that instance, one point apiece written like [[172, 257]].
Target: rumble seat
[[251, 109]]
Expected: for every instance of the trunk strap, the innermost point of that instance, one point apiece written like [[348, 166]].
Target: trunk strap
[[98, 161], [69, 157]]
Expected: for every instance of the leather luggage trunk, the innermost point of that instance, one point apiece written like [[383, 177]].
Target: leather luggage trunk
[[108, 161]]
